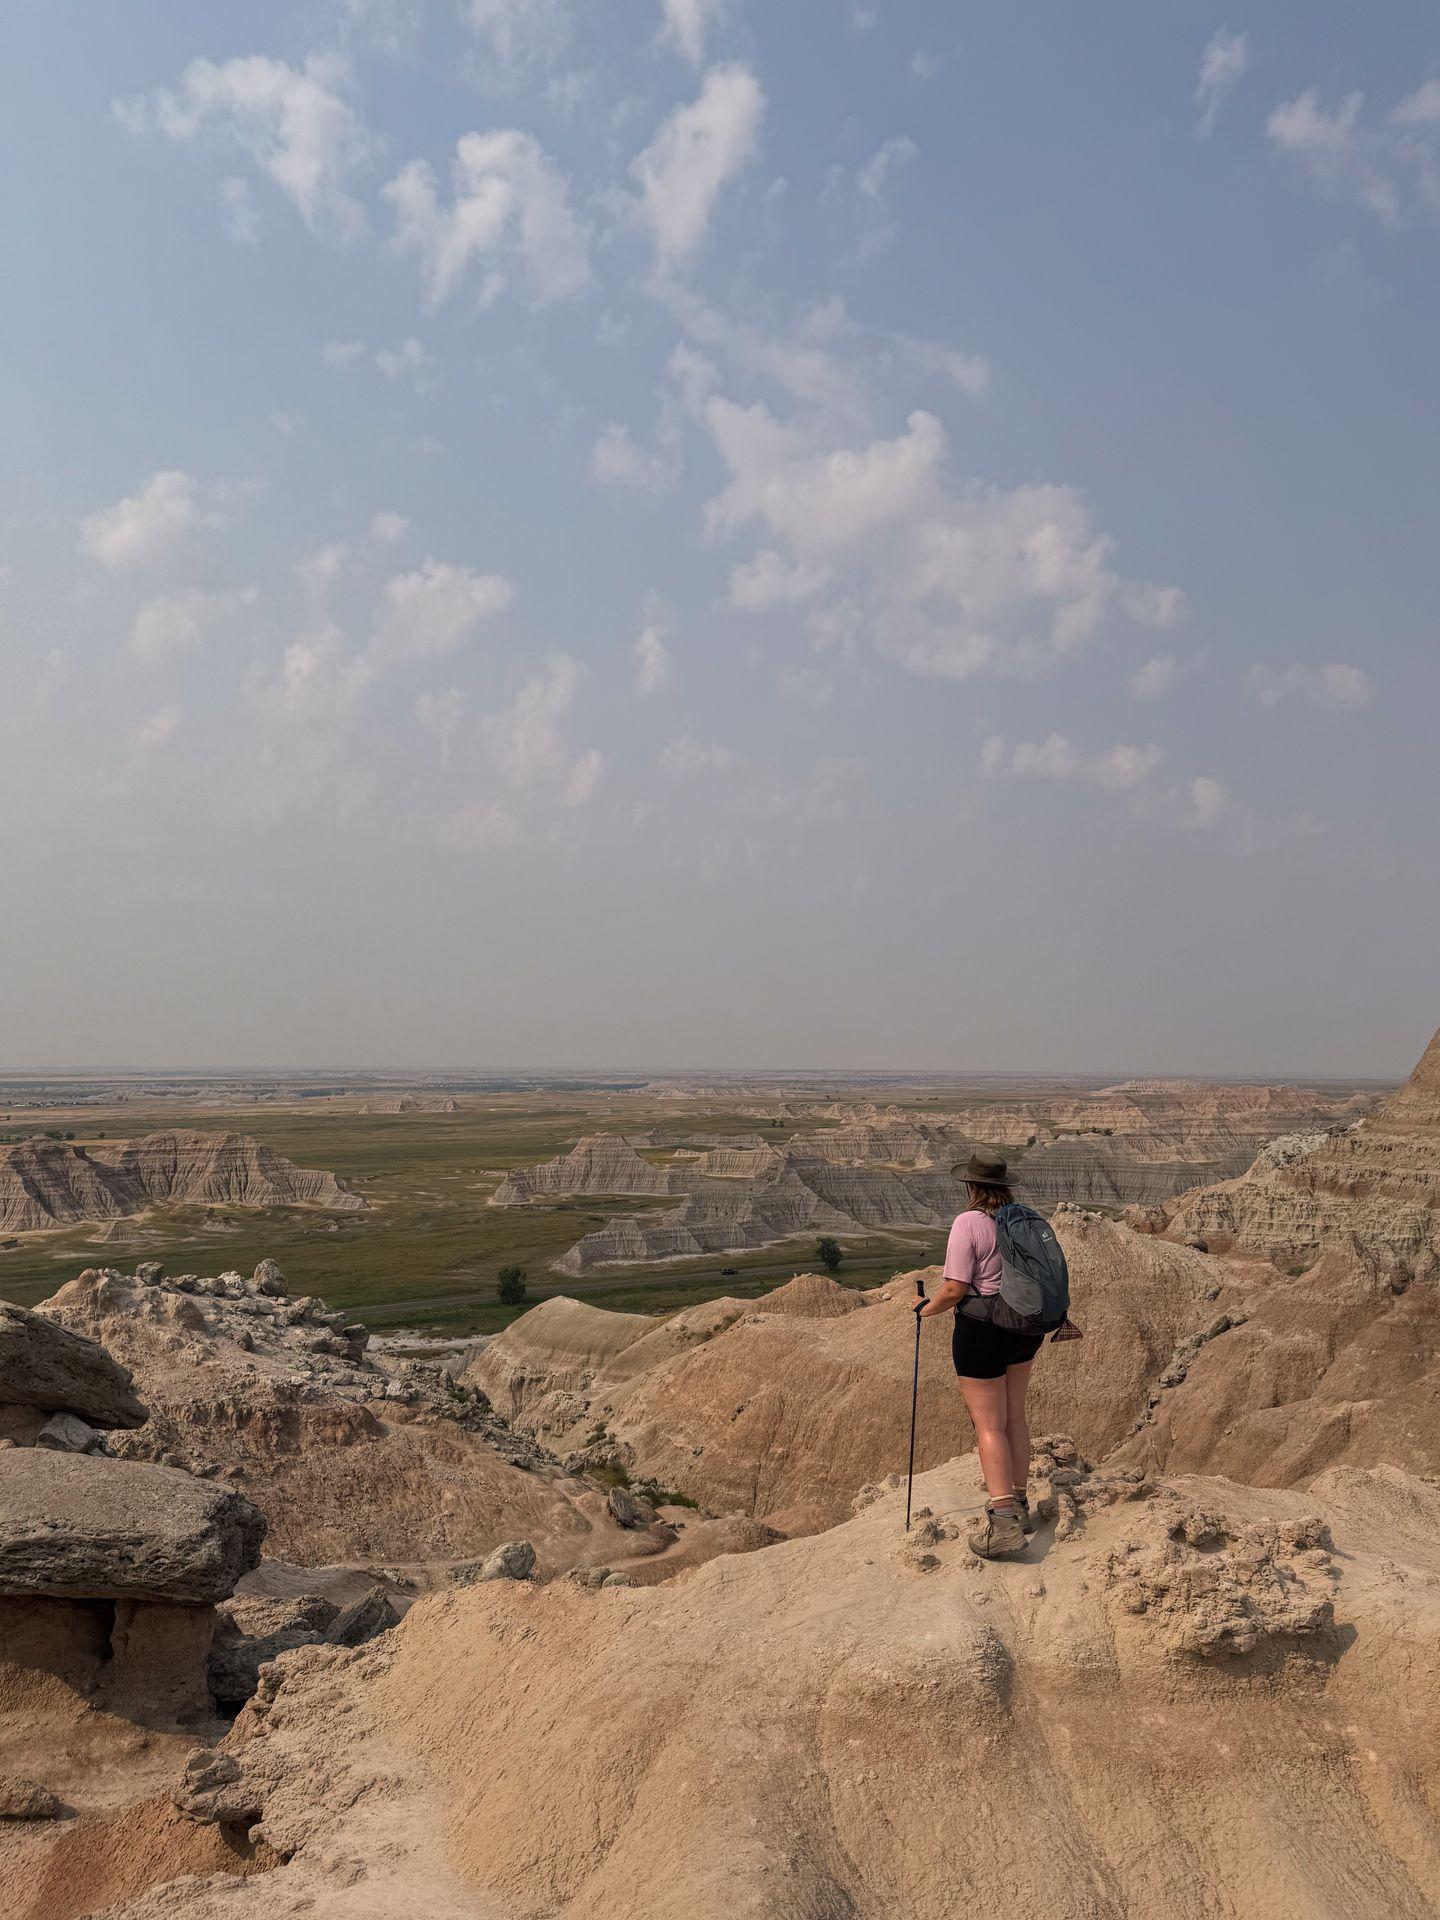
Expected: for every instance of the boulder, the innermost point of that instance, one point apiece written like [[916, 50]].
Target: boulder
[[89, 1527], [513, 1561], [22, 1799], [66, 1433], [269, 1280], [372, 1613], [42, 1365], [630, 1510], [250, 1632]]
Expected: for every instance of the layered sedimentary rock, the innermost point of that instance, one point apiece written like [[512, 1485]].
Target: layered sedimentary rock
[[1339, 1359], [351, 1460], [45, 1367], [1186, 1698], [790, 1197], [50, 1183], [1368, 1195], [74, 1528], [883, 1169], [785, 1405], [600, 1163]]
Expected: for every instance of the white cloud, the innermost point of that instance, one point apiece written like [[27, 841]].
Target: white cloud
[[1419, 109], [319, 571], [409, 361], [386, 529], [1224, 62], [147, 527], [1342, 158], [1155, 678], [434, 610], [1208, 800], [769, 580], [883, 165], [652, 655], [529, 741], [694, 156], [945, 580], [292, 122], [177, 623], [688, 23], [391, 25], [517, 36], [685, 756], [342, 353], [1117, 769], [318, 684], [510, 215], [617, 460], [241, 215], [155, 731], [970, 372], [1336, 687], [439, 714]]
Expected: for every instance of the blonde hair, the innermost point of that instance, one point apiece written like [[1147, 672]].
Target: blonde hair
[[988, 1199]]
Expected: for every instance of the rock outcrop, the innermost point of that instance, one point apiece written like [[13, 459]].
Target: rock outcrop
[[52, 1183], [783, 1407], [45, 1367], [85, 1529], [1191, 1703], [883, 1169], [350, 1458]]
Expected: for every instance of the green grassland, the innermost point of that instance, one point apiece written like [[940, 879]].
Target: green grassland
[[426, 1251]]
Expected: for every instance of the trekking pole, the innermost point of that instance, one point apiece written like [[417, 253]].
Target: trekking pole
[[914, 1405]]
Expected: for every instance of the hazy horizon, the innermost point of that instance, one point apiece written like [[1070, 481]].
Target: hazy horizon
[[687, 530]]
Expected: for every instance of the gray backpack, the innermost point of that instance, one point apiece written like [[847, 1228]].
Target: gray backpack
[[1034, 1294]]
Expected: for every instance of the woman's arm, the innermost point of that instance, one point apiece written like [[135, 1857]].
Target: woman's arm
[[942, 1300]]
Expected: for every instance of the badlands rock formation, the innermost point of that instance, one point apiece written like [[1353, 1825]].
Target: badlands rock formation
[[50, 1183], [599, 1163], [783, 1407], [1187, 1698], [350, 1460], [882, 1169], [1340, 1359]]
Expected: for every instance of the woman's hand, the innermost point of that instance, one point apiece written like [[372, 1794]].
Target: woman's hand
[[919, 1301]]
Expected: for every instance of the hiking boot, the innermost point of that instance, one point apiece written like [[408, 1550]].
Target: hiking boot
[[1028, 1522], [996, 1534]]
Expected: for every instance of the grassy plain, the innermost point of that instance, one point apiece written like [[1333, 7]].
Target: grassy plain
[[426, 1251]]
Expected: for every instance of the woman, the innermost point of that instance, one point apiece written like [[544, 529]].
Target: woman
[[993, 1364]]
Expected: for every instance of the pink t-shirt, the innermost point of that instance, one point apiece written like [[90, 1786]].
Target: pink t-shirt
[[971, 1254]]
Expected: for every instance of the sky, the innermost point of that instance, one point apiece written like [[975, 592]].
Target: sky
[[720, 533]]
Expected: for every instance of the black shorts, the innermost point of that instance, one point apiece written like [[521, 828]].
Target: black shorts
[[983, 1352]]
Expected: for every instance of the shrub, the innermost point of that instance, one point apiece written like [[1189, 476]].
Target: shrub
[[827, 1252]]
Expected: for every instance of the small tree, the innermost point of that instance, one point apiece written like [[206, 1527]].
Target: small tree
[[827, 1252], [510, 1285]]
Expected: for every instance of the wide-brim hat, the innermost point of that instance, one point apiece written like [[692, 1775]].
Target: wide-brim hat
[[983, 1170]]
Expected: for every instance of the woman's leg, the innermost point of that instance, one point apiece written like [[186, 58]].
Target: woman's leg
[[986, 1402], [1017, 1425]]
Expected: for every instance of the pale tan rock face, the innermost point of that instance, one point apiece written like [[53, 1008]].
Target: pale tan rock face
[[1200, 1700], [785, 1406], [78, 1527], [45, 1366], [1339, 1360], [48, 1183]]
